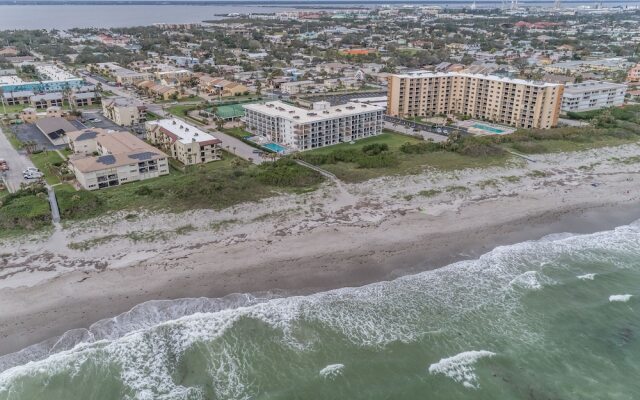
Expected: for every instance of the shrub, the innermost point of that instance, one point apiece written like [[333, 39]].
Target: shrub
[[529, 147], [287, 173], [374, 149], [420, 148], [143, 191]]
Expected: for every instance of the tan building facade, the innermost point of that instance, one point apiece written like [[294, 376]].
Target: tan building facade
[[105, 159], [123, 111], [186, 143], [515, 102]]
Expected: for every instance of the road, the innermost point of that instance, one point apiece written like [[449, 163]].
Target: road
[[17, 161]]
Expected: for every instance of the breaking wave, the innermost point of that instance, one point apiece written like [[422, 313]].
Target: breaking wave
[[159, 348]]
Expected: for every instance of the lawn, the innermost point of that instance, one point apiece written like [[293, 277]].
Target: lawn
[[181, 111], [47, 161], [15, 109], [215, 185], [237, 132], [401, 163]]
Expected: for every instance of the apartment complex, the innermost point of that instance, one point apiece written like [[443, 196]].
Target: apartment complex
[[514, 102], [120, 74], [121, 158], [52, 79], [124, 111], [592, 95], [186, 143], [323, 125]]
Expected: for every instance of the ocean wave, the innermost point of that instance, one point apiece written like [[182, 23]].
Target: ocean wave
[[460, 367], [147, 343], [586, 277], [331, 371], [623, 298]]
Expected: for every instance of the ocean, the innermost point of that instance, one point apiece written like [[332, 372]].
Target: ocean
[[556, 318]]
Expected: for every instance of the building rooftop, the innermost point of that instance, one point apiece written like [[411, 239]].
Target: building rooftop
[[184, 132], [592, 85], [10, 80], [305, 116], [427, 74], [122, 148]]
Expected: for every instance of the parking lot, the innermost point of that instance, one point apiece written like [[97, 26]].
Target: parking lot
[[337, 99], [30, 133], [17, 162]]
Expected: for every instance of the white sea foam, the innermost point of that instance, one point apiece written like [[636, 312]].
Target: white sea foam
[[461, 367], [586, 277], [620, 298], [147, 341], [331, 371]]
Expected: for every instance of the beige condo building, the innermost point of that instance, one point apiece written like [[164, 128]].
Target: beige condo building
[[515, 102]]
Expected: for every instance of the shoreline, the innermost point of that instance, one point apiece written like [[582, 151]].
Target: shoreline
[[287, 277], [342, 235]]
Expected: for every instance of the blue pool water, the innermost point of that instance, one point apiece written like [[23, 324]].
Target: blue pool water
[[488, 128], [275, 147]]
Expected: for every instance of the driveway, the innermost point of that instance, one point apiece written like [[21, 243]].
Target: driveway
[[17, 161]]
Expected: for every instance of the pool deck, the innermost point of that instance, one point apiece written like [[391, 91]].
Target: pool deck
[[472, 126]]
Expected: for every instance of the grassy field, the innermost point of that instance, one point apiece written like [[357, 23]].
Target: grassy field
[[236, 132], [405, 163], [214, 185], [47, 161]]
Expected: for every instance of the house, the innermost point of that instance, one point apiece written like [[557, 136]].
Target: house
[[184, 142], [221, 87], [634, 74], [46, 100], [9, 51], [105, 158], [29, 115], [124, 111]]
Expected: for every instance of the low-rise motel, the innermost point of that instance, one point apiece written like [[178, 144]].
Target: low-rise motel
[[515, 102], [303, 129]]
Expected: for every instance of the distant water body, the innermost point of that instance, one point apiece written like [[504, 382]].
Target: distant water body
[[556, 318], [108, 16]]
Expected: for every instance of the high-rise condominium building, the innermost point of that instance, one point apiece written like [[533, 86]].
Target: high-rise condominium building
[[514, 102]]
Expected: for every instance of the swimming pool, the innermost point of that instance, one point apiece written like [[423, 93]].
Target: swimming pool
[[275, 147], [488, 128]]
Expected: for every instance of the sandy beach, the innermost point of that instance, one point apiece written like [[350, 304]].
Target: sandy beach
[[341, 235]]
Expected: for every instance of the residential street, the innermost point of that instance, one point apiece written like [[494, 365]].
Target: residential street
[[17, 163]]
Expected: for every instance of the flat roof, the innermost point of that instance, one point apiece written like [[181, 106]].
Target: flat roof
[[592, 85], [10, 80], [184, 132], [429, 74], [305, 116]]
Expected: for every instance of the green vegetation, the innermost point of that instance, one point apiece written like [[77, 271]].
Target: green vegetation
[[26, 210], [608, 127], [429, 193], [394, 154], [50, 163], [214, 185]]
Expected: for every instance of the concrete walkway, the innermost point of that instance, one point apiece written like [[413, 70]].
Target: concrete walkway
[[236, 146], [53, 203]]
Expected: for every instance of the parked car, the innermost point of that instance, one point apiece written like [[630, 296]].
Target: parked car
[[4, 166], [32, 175]]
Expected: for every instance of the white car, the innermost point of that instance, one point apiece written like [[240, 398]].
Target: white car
[[30, 169], [32, 175]]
